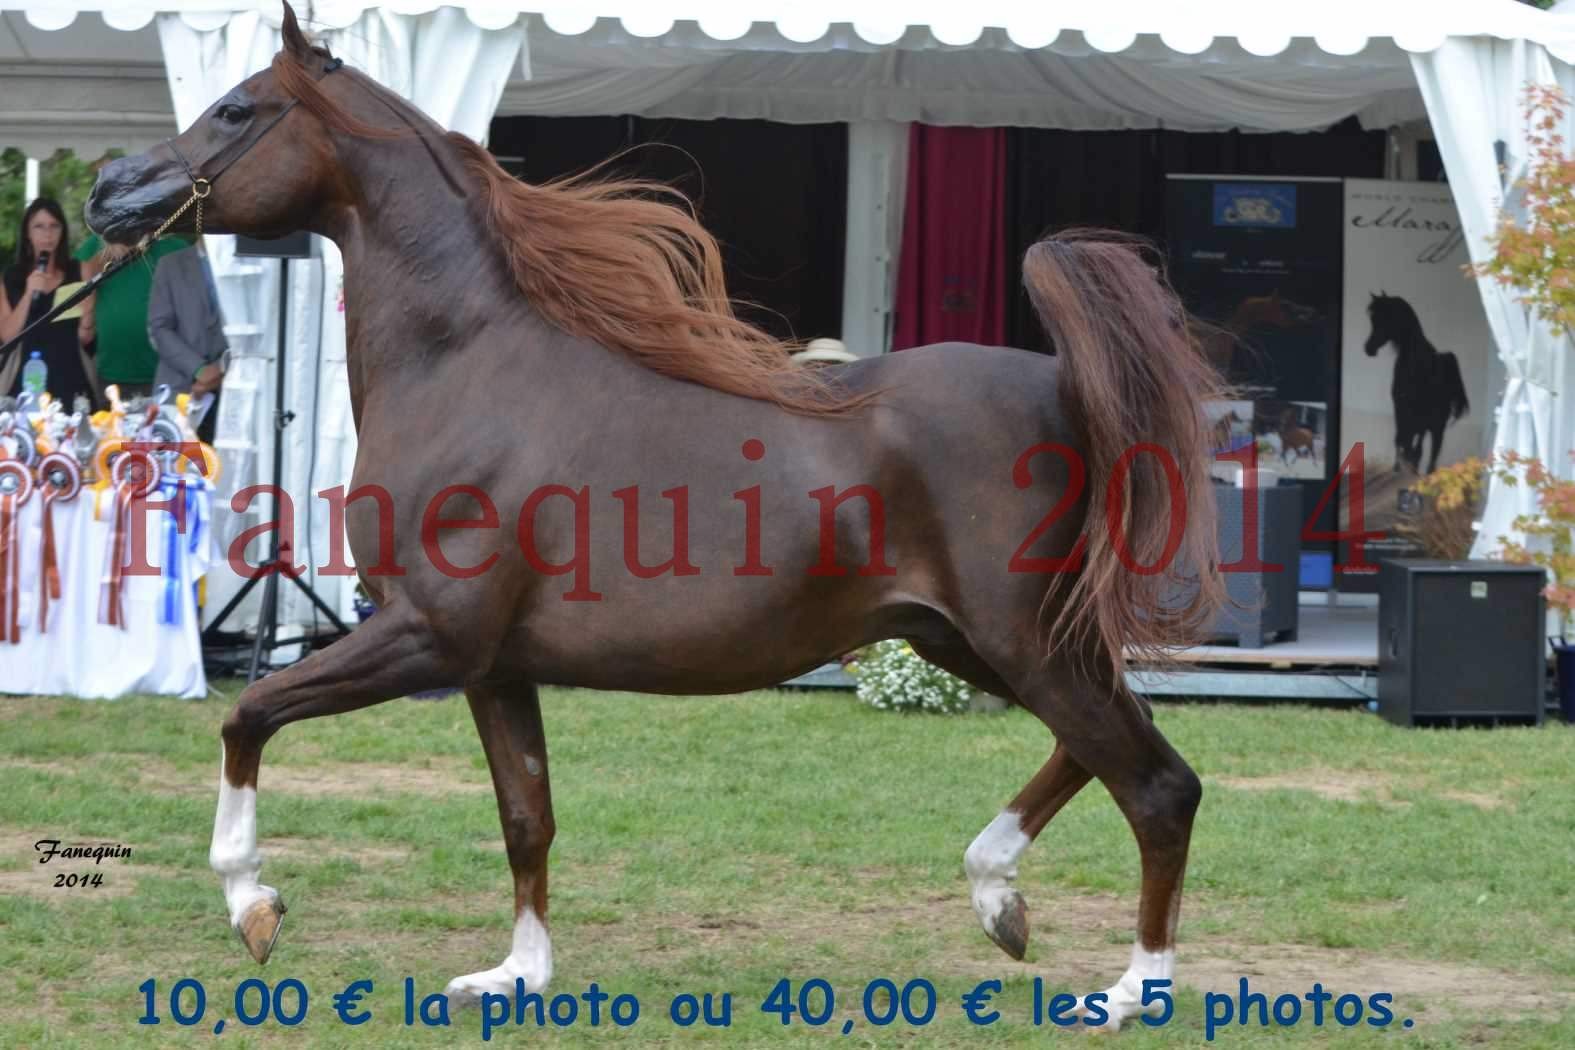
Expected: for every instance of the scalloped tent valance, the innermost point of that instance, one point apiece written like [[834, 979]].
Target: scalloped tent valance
[[1202, 66], [1235, 28]]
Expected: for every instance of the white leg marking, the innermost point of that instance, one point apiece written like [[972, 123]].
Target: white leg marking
[[1124, 999], [991, 863], [530, 957], [233, 853]]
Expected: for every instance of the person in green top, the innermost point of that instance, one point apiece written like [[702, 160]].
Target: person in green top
[[116, 317]]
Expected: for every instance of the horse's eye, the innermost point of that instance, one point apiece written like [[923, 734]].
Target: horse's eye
[[232, 114]]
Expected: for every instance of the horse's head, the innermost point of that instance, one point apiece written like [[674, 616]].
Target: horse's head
[[1391, 317], [1274, 311], [274, 158]]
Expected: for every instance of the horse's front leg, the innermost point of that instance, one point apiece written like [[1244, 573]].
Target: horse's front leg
[[991, 859], [509, 721], [393, 654]]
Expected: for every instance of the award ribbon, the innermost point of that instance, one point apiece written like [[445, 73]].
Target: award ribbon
[[134, 476], [61, 479], [16, 485]]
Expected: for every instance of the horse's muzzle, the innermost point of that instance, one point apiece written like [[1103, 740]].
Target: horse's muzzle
[[131, 196]]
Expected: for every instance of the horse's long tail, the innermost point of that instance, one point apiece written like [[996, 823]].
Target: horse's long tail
[[1133, 381], [1455, 388]]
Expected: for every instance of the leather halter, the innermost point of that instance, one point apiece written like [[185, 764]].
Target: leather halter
[[202, 185], [207, 181]]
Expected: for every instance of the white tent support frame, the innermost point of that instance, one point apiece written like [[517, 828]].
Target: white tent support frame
[[878, 66], [455, 71]]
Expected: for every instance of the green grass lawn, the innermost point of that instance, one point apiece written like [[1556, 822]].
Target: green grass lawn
[[718, 845]]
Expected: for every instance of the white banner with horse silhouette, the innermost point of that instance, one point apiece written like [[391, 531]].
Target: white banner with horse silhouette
[[1415, 376]]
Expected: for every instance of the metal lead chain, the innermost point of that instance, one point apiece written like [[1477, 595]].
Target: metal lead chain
[[199, 192]]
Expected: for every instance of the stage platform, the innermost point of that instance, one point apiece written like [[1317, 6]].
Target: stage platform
[[1334, 658], [1344, 636]]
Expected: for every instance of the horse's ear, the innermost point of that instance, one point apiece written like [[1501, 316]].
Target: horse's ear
[[295, 41]]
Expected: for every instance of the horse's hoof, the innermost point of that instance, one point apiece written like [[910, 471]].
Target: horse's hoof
[[259, 927], [1009, 931], [1110, 1025], [471, 989]]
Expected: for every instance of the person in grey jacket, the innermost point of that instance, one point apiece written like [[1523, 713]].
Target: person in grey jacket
[[186, 327]]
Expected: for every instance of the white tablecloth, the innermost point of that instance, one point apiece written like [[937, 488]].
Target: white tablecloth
[[79, 656]]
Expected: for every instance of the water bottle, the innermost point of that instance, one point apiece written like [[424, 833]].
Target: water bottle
[[35, 374]]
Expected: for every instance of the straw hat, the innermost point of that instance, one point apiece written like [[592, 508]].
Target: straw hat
[[825, 351]]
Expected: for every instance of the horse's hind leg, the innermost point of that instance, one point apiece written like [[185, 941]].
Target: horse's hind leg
[[1416, 451], [509, 721], [991, 859], [389, 656], [1438, 444], [1114, 739]]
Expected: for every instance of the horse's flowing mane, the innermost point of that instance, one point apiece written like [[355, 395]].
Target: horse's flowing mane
[[622, 262]]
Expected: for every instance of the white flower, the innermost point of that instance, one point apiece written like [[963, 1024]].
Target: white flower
[[892, 677]]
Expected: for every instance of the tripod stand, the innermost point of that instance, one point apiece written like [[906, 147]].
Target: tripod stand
[[279, 552]]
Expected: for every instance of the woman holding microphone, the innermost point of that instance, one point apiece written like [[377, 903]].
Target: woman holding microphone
[[43, 264]]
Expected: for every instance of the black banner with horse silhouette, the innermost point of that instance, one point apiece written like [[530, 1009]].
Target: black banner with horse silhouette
[[1416, 362], [1259, 261]]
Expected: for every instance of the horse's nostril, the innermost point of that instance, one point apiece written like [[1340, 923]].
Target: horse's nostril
[[101, 188]]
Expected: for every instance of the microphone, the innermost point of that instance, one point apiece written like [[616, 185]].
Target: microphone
[[43, 264]]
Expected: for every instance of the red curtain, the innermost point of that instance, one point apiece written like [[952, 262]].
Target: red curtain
[[951, 278]]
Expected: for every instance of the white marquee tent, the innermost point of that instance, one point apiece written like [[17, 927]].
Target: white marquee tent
[[90, 74]]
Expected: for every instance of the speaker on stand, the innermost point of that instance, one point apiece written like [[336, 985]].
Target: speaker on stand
[[296, 245]]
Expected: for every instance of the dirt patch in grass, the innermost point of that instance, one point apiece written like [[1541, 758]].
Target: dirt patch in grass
[[363, 780], [319, 850], [21, 706], [38, 881], [1353, 785], [433, 778], [1422, 988], [1477, 799], [38, 766], [369, 780], [22, 875], [1079, 945]]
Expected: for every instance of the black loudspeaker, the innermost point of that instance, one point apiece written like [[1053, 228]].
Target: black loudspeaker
[[1460, 640], [297, 245]]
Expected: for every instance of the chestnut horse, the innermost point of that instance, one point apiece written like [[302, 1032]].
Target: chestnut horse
[[1295, 438], [586, 324]]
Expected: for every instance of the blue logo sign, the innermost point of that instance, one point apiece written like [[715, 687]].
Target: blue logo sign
[[1265, 205]]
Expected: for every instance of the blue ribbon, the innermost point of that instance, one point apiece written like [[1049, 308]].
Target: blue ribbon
[[169, 609], [197, 503], [195, 517], [196, 511]]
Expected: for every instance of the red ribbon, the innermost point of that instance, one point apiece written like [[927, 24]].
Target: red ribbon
[[110, 609], [61, 481], [134, 476], [50, 581], [10, 571]]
